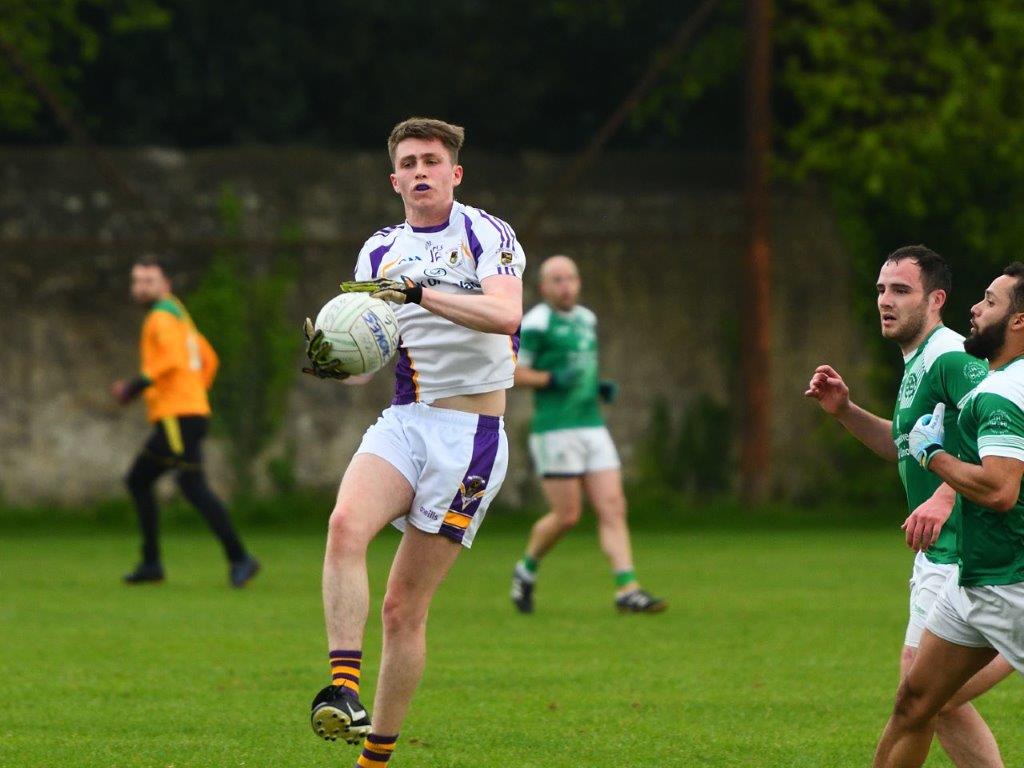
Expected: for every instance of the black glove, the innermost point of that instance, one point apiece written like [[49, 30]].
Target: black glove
[[318, 350], [608, 391], [403, 291], [563, 378]]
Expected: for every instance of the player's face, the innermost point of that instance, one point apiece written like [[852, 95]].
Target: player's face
[[902, 303], [560, 285], [149, 284], [424, 175], [991, 318]]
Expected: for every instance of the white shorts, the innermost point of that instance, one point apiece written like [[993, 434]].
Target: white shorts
[[982, 617], [455, 462], [926, 583], [573, 452]]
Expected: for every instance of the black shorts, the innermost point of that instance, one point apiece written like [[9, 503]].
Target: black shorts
[[177, 441]]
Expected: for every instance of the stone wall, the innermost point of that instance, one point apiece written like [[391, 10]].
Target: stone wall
[[658, 239]]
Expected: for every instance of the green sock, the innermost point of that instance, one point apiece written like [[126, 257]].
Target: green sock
[[622, 578], [529, 563]]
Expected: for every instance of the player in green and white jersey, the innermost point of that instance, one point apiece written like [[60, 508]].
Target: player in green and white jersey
[[913, 284], [571, 448], [982, 613]]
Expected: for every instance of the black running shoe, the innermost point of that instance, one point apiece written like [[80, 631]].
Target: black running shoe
[[243, 570], [145, 573], [337, 712], [640, 601], [522, 592]]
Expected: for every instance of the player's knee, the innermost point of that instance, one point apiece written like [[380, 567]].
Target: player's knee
[[909, 707], [568, 516], [612, 507], [346, 533], [191, 483], [136, 480], [401, 615]]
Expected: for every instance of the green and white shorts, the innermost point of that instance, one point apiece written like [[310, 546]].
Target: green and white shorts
[[926, 584], [982, 617], [564, 453]]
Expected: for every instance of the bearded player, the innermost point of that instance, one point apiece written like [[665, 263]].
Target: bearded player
[[913, 284], [436, 458], [980, 613]]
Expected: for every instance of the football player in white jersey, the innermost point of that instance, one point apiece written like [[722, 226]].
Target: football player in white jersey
[[435, 459]]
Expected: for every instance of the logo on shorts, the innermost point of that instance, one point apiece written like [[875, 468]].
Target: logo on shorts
[[472, 489], [506, 257], [429, 514]]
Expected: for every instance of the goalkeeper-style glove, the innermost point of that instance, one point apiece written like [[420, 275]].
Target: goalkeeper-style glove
[[563, 378], [318, 350], [927, 434], [403, 291], [607, 390]]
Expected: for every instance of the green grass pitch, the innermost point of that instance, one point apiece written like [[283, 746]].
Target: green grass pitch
[[779, 649]]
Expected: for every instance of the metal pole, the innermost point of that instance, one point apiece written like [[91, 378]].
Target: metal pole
[[755, 315]]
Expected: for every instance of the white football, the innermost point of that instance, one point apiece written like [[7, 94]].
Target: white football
[[362, 330]]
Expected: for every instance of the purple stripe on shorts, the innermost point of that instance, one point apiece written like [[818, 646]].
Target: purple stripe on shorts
[[377, 256], [494, 223], [474, 241], [515, 340], [405, 387], [474, 483]]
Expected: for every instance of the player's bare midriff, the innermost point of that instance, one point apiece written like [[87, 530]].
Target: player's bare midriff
[[484, 403]]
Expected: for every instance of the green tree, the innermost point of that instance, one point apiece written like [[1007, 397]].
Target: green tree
[[58, 39], [242, 308], [913, 114]]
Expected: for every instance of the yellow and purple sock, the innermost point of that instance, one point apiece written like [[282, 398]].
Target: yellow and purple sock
[[376, 751], [345, 666]]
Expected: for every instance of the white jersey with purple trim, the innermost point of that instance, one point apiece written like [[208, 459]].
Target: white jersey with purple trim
[[436, 357]]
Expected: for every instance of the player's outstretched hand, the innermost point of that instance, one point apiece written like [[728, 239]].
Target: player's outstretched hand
[[403, 291], [608, 391], [925, 523], [121, 391], [318, 350], [829, 389], [927, 435]]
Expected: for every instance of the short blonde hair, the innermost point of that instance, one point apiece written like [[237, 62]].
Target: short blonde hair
[[451, 136]]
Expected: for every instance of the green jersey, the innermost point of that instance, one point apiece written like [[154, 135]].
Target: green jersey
[[938, 371], [992, 424], [551, 340]]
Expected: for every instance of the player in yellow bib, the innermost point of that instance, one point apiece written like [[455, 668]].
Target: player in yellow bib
[[178, 367]]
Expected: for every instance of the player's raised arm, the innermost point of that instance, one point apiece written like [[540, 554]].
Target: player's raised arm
[[833, 395], [498, 310]]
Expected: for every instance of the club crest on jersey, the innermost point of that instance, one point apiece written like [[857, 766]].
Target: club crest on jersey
[[975, 371], [999, 422], [454, 257], [506, 257], [909, 389]]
